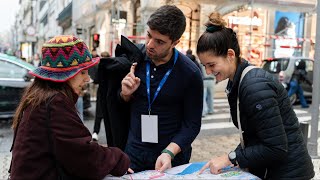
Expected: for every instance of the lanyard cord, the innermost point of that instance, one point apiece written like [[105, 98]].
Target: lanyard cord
[[163, 80]]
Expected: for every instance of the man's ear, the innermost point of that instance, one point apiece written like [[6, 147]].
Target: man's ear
[[175, 43]]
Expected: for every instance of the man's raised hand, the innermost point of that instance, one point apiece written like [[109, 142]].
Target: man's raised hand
[[129, 84]]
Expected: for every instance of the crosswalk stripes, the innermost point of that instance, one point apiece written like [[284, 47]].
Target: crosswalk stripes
[[221, 118]]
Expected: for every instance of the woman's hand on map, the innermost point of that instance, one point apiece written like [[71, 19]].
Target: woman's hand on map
[[163, 162], [216, 164]]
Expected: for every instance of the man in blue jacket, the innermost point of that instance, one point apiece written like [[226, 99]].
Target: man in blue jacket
[[165, 91]]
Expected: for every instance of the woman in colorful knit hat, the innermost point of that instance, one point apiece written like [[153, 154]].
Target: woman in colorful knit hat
[[50, 140]]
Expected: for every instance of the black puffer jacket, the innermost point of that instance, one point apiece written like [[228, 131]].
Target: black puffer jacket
[[272, 135]]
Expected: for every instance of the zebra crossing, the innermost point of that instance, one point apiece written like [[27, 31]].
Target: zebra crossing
[[221, 118]]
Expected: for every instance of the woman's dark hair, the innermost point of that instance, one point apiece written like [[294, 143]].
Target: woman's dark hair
[[39, 91], [168, 20], [217, 39], [283, 24]]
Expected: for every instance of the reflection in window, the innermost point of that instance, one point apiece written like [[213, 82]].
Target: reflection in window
[[10, 70], [277, 65]]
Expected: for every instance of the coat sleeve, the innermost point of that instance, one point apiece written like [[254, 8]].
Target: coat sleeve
[[111, 64], [74, 149], [259, 104], [193, 103]]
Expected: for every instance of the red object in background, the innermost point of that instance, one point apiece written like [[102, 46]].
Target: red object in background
[[96, 37], [297, 47], [96, 40]]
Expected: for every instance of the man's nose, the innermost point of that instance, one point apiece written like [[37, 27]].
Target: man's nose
[[150, 43]]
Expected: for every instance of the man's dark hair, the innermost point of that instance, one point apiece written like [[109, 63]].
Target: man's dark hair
[[168, 20]]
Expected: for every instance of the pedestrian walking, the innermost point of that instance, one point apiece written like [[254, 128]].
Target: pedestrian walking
[[271, 142], [208, 92], [99, 112], [36, 60], [165, 92], [50, 140], [208, 86], [298, 77]]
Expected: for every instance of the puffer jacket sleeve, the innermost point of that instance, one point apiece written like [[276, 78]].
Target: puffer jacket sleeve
[[260, 109], [74, 149]]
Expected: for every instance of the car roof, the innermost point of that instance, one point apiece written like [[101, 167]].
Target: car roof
[[17, 61]]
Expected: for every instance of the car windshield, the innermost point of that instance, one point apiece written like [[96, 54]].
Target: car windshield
[[275, 65]]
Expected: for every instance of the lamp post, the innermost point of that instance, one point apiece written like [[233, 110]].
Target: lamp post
[[313, 142], [250, 32], [190, 29]]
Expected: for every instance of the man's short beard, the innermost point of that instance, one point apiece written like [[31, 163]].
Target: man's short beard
[[160, 56]]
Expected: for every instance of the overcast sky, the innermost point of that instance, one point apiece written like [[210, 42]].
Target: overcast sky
[[8, 9]]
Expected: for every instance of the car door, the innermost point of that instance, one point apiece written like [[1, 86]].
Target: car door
[[12, 83]]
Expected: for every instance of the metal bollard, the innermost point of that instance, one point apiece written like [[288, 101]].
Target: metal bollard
[[305, 129]]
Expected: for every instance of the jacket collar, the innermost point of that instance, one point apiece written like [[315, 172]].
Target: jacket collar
[[233, 85]]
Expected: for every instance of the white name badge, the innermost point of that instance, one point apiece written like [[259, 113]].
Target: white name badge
[[149, 128]]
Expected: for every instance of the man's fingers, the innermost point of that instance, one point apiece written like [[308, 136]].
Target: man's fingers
[[137, 80], [132, 81], [163, 168], [131, 75], [158, 165], [133, 67], [127, 83], [204, 167]]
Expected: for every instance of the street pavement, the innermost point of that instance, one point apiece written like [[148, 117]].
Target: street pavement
[[218, 135]]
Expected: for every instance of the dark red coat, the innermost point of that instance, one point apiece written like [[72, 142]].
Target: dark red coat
[[72, 143]]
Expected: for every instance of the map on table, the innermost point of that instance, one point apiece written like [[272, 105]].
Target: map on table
[[189, 171]]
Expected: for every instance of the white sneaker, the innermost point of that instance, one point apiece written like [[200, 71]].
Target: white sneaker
[[95, 137]]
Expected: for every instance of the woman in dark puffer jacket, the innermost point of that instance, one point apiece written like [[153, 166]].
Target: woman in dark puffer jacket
[[273, 142]]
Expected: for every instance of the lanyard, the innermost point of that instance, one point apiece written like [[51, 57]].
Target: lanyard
[[163, 80]]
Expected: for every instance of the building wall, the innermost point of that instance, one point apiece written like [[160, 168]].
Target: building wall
[[95, 17]]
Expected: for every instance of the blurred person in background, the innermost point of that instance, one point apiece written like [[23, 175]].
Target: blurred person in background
[[192, 57], [299, 75], [208, 92], [208, 86], [93, 71], [50, 140], [99, 110], [36, 60]]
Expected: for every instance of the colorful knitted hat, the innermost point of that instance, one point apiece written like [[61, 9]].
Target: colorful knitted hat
[[63, 57]]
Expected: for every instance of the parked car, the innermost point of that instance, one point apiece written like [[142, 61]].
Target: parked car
[[283, 69], [14, 78]]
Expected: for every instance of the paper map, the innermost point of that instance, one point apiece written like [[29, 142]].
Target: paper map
[[189, 171]]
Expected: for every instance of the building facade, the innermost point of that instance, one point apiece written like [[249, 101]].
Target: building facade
[[100, 24]]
